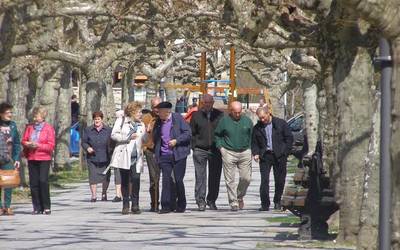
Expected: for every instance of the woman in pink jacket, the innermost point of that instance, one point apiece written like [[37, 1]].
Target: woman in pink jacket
[[38, 142]]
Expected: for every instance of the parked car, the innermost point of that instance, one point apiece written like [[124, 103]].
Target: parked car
[[296, 125]]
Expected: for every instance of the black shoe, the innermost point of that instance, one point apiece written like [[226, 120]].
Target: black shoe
[[212, 205], [277, 206], [136, 210], [234, 208], [36, 212], [154, 210], [180, 210], [264, 208], [47, 211], [104, 197], [93, 200], [202, 206], [117, 199], [125, 210], [164, 211]]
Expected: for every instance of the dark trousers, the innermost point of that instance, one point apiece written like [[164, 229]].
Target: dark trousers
[[279, 169], [200, 159], [168, 166], [154, 174], [39, 184], [131, 174]]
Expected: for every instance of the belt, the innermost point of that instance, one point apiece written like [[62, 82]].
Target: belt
[[269, 151]]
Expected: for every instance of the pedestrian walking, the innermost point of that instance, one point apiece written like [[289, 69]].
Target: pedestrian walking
[[149, 120], [129, 133], [233, 138], [203, 124], [171, 138], [271, 144], [96, 141]]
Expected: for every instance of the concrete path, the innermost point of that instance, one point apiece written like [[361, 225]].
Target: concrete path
[[75, 223]]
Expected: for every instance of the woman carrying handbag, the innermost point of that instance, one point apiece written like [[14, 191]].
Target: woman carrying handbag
[[10, 134]]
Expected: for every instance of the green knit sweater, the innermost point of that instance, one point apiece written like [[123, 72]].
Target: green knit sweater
[[233, 135]]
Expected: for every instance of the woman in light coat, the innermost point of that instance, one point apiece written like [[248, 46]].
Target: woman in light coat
[[129, 133]]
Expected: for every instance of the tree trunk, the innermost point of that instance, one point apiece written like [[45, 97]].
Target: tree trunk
[[395, 145], [3, 86], [354, 78], [368, 235], [328, 127], [310, 95], [99, 97], [126, 86], [63, 120]]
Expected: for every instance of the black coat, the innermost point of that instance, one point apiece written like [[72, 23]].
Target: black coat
[[282, 138], [203, 129]]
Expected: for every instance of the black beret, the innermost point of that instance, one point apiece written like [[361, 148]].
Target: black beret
[[164, 105]]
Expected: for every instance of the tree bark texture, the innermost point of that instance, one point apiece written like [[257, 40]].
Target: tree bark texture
[[310, 95], [368, 235], [353, 76], [63, 119]]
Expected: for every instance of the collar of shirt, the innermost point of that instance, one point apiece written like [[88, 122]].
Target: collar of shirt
[[99, 128], [168, 120]]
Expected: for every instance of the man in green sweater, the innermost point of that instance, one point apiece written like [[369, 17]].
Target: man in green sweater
[[233, 139]]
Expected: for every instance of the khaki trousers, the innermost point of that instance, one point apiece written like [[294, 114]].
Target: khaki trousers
[[242, 161]]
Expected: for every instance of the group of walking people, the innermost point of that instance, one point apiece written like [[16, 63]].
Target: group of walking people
[[219, 142], [164, 139]]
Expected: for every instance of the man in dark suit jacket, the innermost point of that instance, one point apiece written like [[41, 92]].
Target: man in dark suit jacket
[[271, 144], [171, 136]]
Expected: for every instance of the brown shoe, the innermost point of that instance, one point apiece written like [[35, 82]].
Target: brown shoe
[[8, 211], [2, 211], [241, 204]]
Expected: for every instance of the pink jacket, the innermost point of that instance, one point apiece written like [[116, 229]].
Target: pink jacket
[[46, 143]]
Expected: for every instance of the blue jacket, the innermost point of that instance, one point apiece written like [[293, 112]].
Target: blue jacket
[[180, 131]]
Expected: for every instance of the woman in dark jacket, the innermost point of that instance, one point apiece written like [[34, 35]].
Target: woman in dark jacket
[[9, 129], [96, 143]]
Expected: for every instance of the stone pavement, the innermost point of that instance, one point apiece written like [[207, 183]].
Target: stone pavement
[[76, 223]]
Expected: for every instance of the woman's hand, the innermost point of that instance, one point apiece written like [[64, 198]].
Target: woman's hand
[[31, 144], [134, 136], [16, 165], [90, 150]]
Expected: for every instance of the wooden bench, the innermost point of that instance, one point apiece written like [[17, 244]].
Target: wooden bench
[[310, 197]]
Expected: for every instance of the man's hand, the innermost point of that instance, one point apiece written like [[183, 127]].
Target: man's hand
[[90, 150], [16, 165], [256, 158], [172, 143]]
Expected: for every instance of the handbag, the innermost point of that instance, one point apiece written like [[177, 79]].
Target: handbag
[[9, 178]]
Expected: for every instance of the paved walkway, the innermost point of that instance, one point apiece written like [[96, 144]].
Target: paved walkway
[[75, 223]]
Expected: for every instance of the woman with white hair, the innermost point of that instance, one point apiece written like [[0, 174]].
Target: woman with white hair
[[39, 142]]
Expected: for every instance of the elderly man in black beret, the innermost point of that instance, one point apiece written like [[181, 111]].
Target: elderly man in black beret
[[172, 136]]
